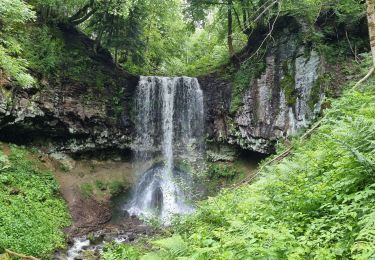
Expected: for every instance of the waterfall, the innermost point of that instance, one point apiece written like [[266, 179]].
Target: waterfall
[[169, 126]]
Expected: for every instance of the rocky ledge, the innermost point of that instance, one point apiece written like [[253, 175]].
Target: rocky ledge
[[286, 83], [67, 114]]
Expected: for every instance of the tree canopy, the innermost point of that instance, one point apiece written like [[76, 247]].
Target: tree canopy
[[159, 37]]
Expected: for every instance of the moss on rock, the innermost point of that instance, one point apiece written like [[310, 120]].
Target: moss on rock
[[288, 84], [242, 79]]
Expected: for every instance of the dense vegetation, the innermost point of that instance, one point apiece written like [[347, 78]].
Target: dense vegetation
[[316, 204], [149, 37], [319, 203], [32, 213]]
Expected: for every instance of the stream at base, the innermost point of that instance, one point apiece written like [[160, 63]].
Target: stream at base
[[91, 246]]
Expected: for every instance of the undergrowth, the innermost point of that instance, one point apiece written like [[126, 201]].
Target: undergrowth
[[32, 213], [318, 203]]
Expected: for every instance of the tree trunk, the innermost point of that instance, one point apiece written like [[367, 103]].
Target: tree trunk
[[230, 28], [371, 26], [116, 55], [98, 40]]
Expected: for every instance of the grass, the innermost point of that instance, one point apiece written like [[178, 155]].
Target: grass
[[100, 188]]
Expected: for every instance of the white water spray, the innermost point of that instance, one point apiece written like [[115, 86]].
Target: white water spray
[[169, 125]]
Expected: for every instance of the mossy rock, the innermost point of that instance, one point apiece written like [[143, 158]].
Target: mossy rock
[[242, 79], [288, 84], [321, 85]]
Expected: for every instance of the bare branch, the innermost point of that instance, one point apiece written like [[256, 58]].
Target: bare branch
[[351, 47], [84, 18], [267, 36], [364, 78], [83, 14], [265, 10]]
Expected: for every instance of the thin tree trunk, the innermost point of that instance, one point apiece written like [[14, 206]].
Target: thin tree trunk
[[98, 40], [230, 28], [371, 26], [116, 55], [82, 13]]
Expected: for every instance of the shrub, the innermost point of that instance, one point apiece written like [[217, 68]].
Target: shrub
[[64, 168], [116, 187], [222, 171], [14, 14], [43, 50], [114, 251], [101, 185], [87, 190]]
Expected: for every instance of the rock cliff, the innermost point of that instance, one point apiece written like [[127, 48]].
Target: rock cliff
[[281, 95], [92, 110], [284, 99], [69, 115]]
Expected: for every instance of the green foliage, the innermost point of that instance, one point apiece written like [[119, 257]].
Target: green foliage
[[321, 84], [4, 162], [13, 16], [115, 187], [153, 37], [55, 11], [115, 251], [169, 248], [220, 175], [44, 50], [242, 79], [201, 53], [64, 168], [222, 171], [288, 84], [15, 67], [102, 188], [161, 36], [15, 13], [32, 213], [87, 190], [348, 11], [318, 203], [100, 185]]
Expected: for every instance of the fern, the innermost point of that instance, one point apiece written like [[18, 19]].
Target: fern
[[368, 164], [175, 245], [364, 246], [318, 203]]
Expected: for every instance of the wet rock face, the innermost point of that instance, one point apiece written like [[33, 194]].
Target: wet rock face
[[217, 99], [283, 99]]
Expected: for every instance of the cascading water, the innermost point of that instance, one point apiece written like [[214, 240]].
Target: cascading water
[[169, 126]]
